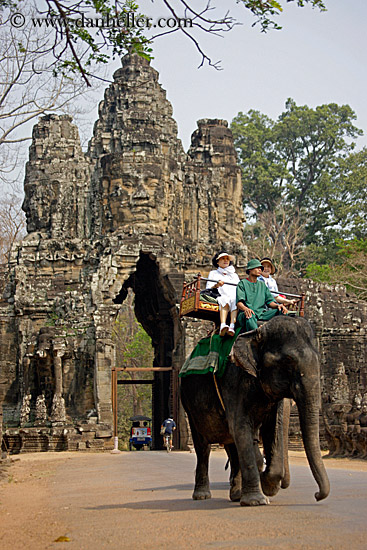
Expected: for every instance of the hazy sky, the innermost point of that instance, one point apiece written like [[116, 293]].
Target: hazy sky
[[316, 58]]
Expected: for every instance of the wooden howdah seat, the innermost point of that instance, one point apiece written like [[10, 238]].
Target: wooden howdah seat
[[193, 303]]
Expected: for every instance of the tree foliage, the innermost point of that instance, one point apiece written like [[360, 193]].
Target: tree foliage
[[301, 181], [27, 89], [12, 225], [266, 10], [350, 200], [348, 267]]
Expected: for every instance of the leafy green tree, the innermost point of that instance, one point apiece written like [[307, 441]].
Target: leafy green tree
[[292, 175], [265, 10], [350, 200], [347, 268]]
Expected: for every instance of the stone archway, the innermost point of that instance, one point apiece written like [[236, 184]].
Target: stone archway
[[156, 310]]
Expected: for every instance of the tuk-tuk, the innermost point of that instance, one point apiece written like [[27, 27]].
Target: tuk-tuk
[[141, 432]]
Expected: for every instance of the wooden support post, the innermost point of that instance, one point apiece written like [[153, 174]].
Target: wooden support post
[[114, 411], [302, 308], [197, 292], [183, 291]]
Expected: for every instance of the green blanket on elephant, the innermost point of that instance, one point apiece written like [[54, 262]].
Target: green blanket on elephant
[[209, 355]]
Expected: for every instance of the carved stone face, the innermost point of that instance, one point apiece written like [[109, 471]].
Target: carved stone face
[[144, 201], [44, 345], [39, 203], [136, 200]]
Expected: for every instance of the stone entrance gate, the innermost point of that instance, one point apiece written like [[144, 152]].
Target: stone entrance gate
[[134, 211]]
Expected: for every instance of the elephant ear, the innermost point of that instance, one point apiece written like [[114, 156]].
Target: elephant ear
[[244, 352]]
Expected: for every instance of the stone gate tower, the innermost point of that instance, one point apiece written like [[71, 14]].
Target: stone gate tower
[[136, 212]]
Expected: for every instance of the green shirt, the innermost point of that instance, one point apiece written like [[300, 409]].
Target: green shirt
[[254, 295]]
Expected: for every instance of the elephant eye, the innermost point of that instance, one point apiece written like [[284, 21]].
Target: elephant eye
[[271, 359], [290, 359]]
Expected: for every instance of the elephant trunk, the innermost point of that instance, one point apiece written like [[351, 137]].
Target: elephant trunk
[[308, 408]]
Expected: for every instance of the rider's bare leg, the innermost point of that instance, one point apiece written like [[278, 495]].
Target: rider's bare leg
[[223, 312], [231, 330], [233, 316]]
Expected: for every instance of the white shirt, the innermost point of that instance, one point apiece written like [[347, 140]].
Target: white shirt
[[270, 283], [227, 293]]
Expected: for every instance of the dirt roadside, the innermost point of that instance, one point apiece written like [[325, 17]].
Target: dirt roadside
[[27, 485]]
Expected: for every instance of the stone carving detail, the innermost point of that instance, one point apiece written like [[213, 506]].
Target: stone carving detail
[[339, 387], [41, 411], [58, 413], [25, 409], [363, 416], [52, 194]]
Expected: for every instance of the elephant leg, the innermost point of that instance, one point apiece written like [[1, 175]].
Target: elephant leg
[[235, 477], [251, 493], [286, 417], [202, 449], [272, 436]]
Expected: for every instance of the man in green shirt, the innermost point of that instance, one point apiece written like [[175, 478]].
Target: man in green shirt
[[254, 299]]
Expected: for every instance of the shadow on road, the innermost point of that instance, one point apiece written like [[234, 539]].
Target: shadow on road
[[182, 505], [188, 487]]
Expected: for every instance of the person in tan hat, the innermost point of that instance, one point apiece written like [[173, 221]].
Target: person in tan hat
[[254, 300], [225, 273], [270, 282]]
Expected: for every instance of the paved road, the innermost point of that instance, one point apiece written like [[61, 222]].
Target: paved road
[[143, 500]]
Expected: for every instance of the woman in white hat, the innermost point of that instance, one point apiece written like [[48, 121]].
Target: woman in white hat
[[266, 277], [225, 273]]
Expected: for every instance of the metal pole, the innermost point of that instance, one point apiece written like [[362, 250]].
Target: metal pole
[[234, 284]]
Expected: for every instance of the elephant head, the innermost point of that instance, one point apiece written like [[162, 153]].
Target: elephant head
[[282, 355]]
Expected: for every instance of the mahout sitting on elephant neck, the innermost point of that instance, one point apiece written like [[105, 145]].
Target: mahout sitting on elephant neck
[[270, 365]]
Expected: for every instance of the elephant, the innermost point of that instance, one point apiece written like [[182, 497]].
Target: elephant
[[275, 362]]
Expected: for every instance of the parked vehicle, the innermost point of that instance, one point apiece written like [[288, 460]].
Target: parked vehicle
[[141, 432]]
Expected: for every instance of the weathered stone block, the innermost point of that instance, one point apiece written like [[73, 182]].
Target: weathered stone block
[[96, 444], [104, 433]]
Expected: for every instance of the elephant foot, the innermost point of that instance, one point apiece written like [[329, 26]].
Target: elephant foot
[[236, 488], [254, 499], [235, 494], [201, 494], [286, 481], [270, 485]]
